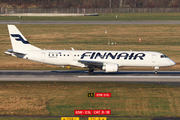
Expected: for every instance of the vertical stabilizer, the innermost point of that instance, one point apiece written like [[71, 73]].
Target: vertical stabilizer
[[18, 41]]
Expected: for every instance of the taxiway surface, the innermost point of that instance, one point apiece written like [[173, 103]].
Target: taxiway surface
[[89, 22], [171, 78]]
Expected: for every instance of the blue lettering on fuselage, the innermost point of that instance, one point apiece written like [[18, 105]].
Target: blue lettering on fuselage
[[112, 56], [140, 55], [92, 55], [125, 56], [99, 55]]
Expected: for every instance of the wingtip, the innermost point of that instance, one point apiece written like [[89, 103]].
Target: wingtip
[[10, 25]]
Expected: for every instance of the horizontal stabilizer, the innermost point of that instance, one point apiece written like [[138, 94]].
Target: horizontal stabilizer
[[10, 52]]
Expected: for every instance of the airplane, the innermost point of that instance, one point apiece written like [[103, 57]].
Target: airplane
[[109, 61]]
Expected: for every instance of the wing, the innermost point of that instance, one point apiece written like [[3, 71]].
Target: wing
[[95, 64], [107, 66]]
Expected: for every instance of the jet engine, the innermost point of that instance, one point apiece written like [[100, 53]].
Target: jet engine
[[110, 67]]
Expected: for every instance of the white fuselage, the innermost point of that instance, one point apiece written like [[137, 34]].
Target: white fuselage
[[122, 58], [109, 61]]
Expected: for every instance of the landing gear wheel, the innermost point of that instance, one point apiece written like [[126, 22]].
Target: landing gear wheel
[[91, 70], [155, 70]]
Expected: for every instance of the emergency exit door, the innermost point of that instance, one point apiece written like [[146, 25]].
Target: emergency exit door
[[153, 58], [43, 56]]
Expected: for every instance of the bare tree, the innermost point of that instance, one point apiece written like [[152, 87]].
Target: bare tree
[[110, 3], [92, 3], [120, 3]]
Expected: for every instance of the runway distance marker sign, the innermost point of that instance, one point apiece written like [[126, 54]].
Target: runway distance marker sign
[[90, 94], [97, 118], [69, 118]]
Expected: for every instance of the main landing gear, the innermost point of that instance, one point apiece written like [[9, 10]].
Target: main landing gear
[[91, 70]]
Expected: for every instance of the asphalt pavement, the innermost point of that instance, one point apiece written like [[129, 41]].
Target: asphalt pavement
[[90, 22]]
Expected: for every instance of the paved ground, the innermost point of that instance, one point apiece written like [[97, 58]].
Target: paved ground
[[171, 78], [89, 22], [50, 14]]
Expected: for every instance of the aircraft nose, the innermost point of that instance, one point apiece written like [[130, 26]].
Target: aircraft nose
[[171, 62]]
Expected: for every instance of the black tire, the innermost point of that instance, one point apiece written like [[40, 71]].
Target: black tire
[[91, 70]]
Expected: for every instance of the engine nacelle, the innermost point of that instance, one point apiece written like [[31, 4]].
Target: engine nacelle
[[110, 67]]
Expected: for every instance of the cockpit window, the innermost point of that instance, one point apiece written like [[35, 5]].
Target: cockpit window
[[163, 56]]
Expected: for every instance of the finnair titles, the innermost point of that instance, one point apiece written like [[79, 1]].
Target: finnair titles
[[109, 61], [94, 55]]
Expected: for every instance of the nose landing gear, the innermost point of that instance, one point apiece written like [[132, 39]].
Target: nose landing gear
[[155, 70]]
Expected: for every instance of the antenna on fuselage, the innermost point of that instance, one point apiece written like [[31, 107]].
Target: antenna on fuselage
[[72, 48]]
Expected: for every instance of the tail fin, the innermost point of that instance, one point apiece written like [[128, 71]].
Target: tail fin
[[18, 41]]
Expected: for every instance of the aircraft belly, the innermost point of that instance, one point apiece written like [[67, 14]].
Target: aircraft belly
[[58, 61], [135, 63]]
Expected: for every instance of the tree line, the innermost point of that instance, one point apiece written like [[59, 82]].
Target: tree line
[[90, 3]]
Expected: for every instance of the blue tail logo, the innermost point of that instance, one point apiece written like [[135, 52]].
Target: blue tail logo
[[19, 38]]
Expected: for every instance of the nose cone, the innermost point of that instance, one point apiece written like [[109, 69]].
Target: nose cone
[[171, 62]]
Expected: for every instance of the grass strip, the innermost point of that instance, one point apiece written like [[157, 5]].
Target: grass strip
[[62, 98]]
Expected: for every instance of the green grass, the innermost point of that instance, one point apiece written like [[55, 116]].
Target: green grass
[[100, 17], [62, 98]]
